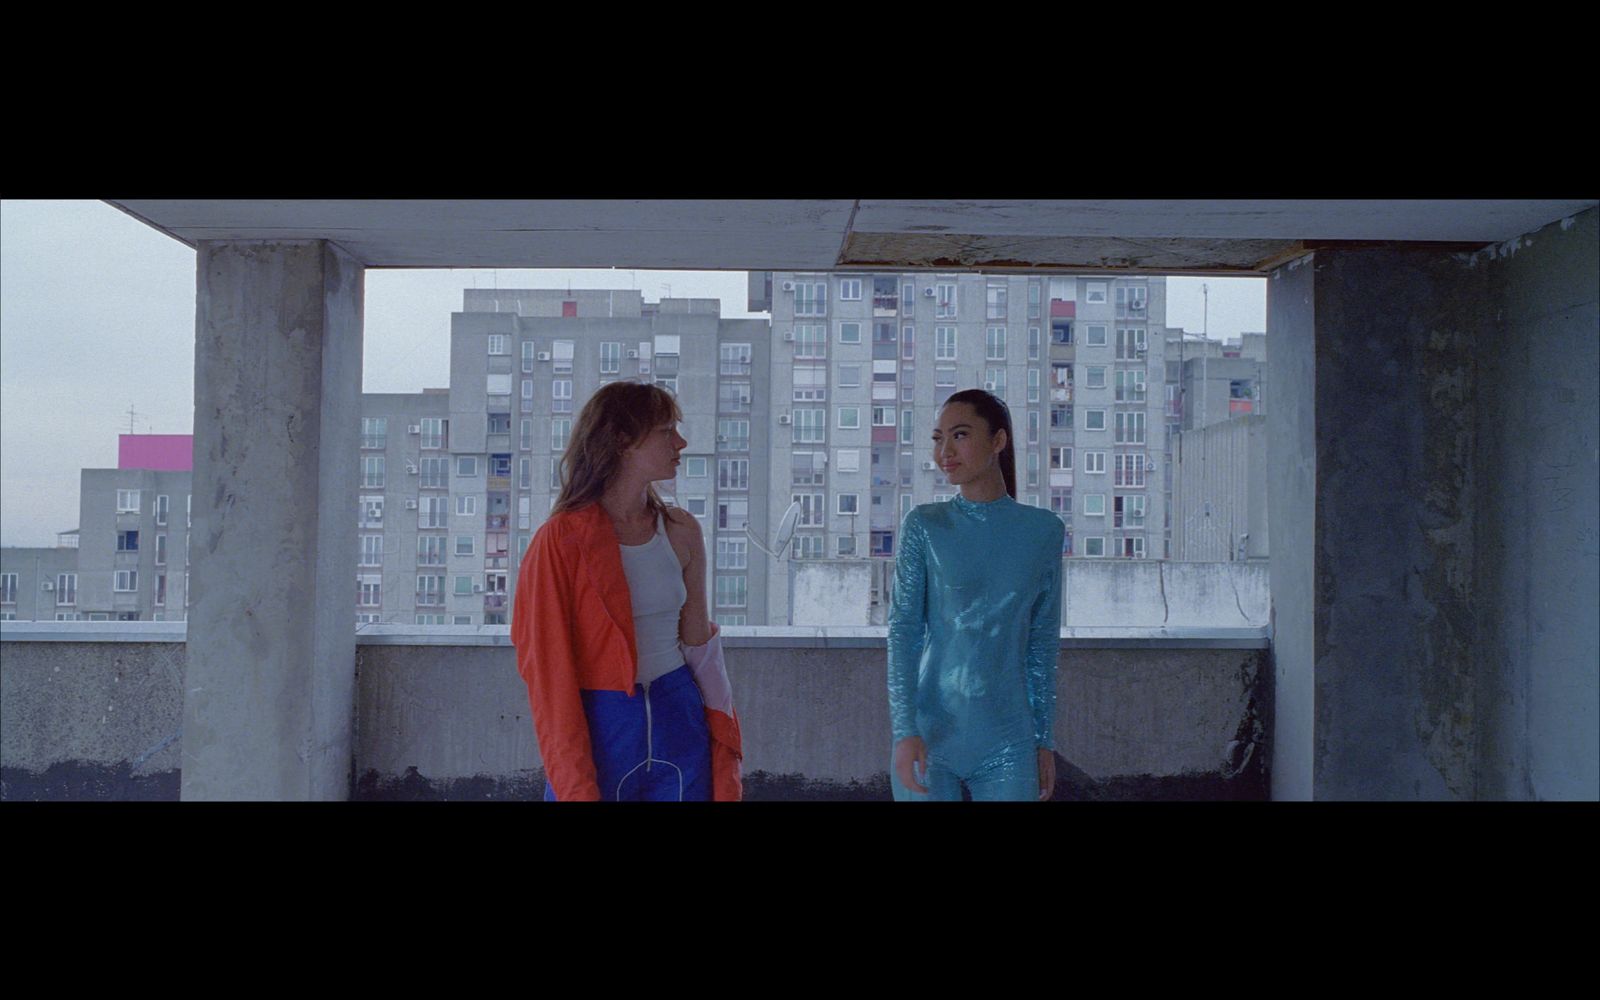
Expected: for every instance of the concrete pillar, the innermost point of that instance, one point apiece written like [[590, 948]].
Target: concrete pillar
[[269, 701]]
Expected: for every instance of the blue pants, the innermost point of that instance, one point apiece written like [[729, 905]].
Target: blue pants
[[1009, 773], [653, 746]]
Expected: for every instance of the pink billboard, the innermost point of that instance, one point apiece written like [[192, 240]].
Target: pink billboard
[[160, 452]]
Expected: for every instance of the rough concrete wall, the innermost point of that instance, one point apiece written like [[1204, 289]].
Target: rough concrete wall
[[1291, 519], [1397, 333], [1539, 545], [90, 721], [831, 592]]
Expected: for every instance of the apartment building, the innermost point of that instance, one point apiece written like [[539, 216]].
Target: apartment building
[[862, 361]]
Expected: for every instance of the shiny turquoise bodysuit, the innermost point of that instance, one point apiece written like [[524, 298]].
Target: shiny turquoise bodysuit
[[973, 631]]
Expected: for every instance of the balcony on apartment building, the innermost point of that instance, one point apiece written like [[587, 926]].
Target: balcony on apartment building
[[1168, 704]]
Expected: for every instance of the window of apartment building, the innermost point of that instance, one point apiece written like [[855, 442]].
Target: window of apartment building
[[733, 473], [1033, 426], [811, 298], [848, 503], [1094, 336], [371, 512], [1061, 417], [806, 468], [1094, 420], [497, 343], [1132, 298], [908, 297], [844, 545], [374, 432], [1033, 385], [524, 516], [810, 383], [1061, 457], [908, 384], [733, 515], [883, 416], [883, 544], [669, 384], [1130, 385], [808, 546], [1033, 468], [524, 434], [466, 506], [1035, 294], [524, 473], [849, 376], [994, 379], [908, 343], [849, 418], [1094, 546], [431, 512], [995, 304], [810, 426], [561, 395], [1094, 461], [429, 591], [461, 620], [1129, 470], [127, 501], [369, 591], [127, 541], [464, 545], [695, 506], [553, 473], [944, 377], [433, 432], [1094, 293], [1130, 343], [1035, 343], [731, 591], [995, 343], [1130, 510], [847, 460], [430, 549], [1061, 331], [944, 298], [811, 509], [610, 358], [466, 465], [850, 289], [1130, 427], [1133, 548], [732, 553], [372, 472], [560, 430], [498, 384], [371, 550], [810, 340], [1061, 501], [1061, 377], [695, 468], [944, 343], [885, 297], [733, 435], [527, 395], [162, 505], [8, 589], [1094, 377], [1094, 505], [733, 397], [905, 427], [529, 350], [849, 333], [125, 581], [734, 359], [561, 354], [66, 588], [161, 549]]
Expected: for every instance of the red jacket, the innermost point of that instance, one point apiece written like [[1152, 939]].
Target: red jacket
[[572, 625]]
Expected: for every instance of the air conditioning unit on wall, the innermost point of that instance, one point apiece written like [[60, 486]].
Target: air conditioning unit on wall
[[788, 286]]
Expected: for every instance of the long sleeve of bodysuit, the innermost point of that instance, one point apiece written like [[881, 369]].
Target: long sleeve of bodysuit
[[908, 626], [1044, 640]]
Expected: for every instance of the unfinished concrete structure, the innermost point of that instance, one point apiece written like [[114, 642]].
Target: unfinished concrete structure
[[1447, 652]]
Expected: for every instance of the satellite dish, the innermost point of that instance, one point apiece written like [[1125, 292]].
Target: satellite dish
[[786, 524]]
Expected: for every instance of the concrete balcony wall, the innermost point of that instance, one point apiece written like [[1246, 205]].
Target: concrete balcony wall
[[92, 711]]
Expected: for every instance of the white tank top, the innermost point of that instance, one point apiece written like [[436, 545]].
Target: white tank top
[[655, 584]]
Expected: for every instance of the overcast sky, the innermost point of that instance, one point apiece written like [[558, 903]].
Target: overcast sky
[[97, 316]]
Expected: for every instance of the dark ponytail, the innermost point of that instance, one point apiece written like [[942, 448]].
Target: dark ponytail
[[994, 412]]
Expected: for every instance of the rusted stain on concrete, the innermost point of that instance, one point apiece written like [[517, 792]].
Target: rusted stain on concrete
[[1144, 254]]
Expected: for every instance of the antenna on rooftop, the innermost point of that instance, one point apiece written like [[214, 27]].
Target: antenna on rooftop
[[131, 415]]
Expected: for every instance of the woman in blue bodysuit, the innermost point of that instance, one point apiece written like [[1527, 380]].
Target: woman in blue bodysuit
[[974, 624]]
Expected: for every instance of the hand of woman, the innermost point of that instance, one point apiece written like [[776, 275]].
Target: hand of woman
[[911, 763], [1047, 773]]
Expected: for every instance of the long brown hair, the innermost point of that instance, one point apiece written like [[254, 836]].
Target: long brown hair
[[615, 418], [994, 412]]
